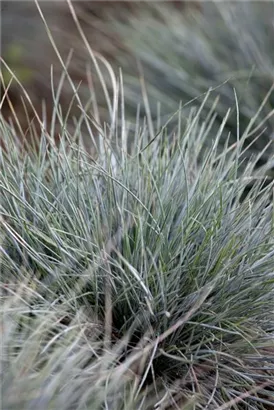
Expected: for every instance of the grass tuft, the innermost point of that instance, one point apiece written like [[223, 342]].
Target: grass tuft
[[137, 274], [140, 279]]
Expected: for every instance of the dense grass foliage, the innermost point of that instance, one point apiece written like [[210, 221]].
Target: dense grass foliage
[[139, 274], [136, 281]]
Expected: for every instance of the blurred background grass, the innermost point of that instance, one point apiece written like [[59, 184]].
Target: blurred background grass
[[168, 51]]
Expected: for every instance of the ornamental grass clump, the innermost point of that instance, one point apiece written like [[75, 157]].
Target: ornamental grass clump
[[141, 277]]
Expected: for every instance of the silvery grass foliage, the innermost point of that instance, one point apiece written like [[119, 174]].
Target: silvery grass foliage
[[138, 279], [225, 46]]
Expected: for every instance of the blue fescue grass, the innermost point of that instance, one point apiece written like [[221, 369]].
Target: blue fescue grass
[[137, 274], [136, 279]]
